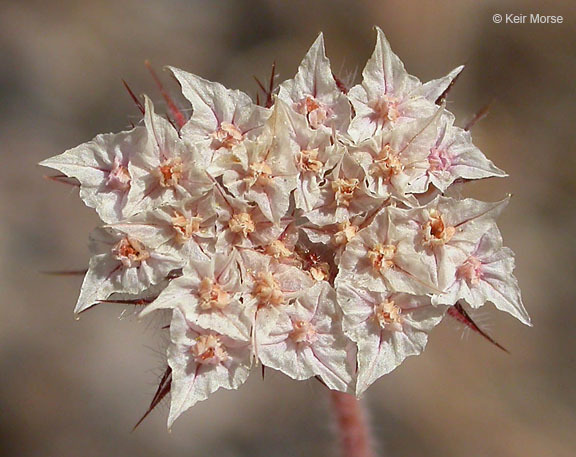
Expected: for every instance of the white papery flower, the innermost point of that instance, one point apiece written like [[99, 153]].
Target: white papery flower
[[446, 230], [389, 95], [221, 118], [203, 361], [263, 171], [394, 160], [314, 93], [343, 194], [381, 257], [102, 166], [123, 264], [306, 339], [387, 327], [486, 276], [453, 156], [168, 169]]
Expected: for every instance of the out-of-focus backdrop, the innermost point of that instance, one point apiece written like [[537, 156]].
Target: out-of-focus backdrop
[[77, 387]]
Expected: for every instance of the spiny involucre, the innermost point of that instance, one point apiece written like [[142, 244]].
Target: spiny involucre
[[311, 236]]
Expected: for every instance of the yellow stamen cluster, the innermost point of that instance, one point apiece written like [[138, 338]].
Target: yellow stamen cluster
[[344, 190], [242, 223], [381, 256], [208, 350], [185, 227], [388, 316], [227, 136], [212, 296], [130, 252], [170, 172], [303, 332], [267, 289], [346, 231], [436, 232]]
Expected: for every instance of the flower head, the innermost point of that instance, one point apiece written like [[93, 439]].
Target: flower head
[[308, 236]]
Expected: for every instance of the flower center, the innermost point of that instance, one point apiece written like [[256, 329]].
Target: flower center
[[208, 350], [130, 252], [471, 270], [439, 160], [308, 160], [119, 176], [315, 112], [212, 296], [260, 174], [436, 232], [346, 231], [303, 332], [267, 289], [170, 172], [381, 256], [241, 223], [384, 109], [278, 249], [388, 316], [344, 190], [387, 164], [226, 136], [185, 227]]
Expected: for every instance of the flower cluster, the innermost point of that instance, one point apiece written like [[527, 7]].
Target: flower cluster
[[311, 236]]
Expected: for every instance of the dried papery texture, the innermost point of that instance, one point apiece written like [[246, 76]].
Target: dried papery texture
[[123, 264], [453, 156], [343, 194], [168, 169], [208, 294], [446, 230], [314, 94], [103, 168], [389, 95], [221, 118], [240, 224], [311, 236], [263, 171], [381, 257], [305, 339], [485, 275], [184, 227], [387, 327], [203, 361], [395, 160]]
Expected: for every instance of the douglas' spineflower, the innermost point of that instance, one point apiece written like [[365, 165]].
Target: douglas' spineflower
[[311, 235]]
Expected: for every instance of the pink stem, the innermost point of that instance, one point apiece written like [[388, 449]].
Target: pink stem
[[353, 428]]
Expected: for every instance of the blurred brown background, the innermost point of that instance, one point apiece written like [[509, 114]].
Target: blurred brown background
[[71, 388]]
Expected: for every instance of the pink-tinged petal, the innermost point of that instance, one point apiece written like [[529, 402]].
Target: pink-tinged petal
[[486, 275], [202, 362], [432, 90], [102, 168], [167, 170], [306, 339], [387, 327], [314, 93], [124, 265], [223, 116]]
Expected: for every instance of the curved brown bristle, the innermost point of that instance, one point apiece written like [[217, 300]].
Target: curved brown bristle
[[137, 102], [163, 389], [461, 315], [178, 116], [480, 114], [63, 179]]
